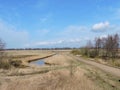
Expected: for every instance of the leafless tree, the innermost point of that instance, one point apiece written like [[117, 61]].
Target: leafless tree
[[115, 45], [90, 49], [111, 45], [98, 45]]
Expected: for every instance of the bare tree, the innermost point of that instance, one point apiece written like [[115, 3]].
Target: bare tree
[[90, 49], [107, 47], [98, 45], [111, 45], [115, 45]]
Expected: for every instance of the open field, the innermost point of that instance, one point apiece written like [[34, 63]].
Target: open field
[[28, 55], [62, 71]]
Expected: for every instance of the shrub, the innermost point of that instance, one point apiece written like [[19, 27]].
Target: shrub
[[84, 51], [76, 52], [93, 54], [5, 64], [16, 63]]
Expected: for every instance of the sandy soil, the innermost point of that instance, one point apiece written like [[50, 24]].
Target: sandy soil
[[53, 80], [111, 70]]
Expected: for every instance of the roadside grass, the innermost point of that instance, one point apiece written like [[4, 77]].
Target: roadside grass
[[108, 61], [105, 80], [115, 63]]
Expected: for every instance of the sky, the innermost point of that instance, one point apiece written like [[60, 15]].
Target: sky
[[57, 23]]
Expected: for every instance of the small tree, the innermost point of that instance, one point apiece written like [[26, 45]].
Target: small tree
[[112, 46], [115, 45], [89, 50], [98, 45]]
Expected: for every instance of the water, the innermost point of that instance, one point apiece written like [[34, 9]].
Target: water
[[38, 62]]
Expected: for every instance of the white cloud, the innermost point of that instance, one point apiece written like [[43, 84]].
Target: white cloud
[[53, 43], [103, 36], [49, 43], [72, 29], [12, 36], [102, 26], [45, 43]]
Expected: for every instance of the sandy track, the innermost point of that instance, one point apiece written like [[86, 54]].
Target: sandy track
[[111, 70]]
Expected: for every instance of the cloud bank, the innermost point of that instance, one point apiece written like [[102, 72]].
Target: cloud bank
[[69, 36], [102, 26], [58, 43]]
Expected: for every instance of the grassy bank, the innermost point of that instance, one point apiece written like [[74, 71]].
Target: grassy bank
[[21, 58]]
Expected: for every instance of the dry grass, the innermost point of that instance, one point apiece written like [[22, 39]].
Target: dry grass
[[27, 55], [110, 62], [104, 80], [58, 59], [62, 73], [53, 80]]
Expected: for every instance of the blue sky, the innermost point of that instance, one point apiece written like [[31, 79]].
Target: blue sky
[[57, 23]]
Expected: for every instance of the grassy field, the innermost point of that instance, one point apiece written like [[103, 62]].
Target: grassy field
[[27, 55], [61, 72]]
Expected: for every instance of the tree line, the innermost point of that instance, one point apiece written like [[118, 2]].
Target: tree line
[[105, 47]]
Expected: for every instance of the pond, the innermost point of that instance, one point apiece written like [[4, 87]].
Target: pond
[[38, 62]]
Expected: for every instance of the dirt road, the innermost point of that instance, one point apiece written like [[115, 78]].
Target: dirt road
[[111, 70]]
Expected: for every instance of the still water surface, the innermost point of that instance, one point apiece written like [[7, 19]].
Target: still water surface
[[38, 62]]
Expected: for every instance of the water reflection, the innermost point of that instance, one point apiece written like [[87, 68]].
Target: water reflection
[[38, 62]]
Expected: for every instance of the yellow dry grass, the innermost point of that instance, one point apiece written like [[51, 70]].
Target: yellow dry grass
[[62, 73], [28, 55], [53, 80], [27, 52], [58, 59]]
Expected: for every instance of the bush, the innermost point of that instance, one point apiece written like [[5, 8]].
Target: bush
[[76, 52], [93, 54], [88, 52], [5, 64], [85, 51], [16, 63]]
